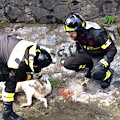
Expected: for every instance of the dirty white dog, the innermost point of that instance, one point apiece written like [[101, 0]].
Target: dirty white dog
[[37, 88]]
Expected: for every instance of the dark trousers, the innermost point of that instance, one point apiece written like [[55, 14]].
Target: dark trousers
[[81, 60], [78, 59], [10, 84]]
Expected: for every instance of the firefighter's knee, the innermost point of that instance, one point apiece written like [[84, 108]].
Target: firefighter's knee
[[67, 64]]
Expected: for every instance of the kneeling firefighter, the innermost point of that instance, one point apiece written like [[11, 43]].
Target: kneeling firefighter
[[19, 60], [95, 49]]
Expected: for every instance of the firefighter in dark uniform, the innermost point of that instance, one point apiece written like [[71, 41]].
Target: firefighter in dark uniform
[[19, 60], [95, 49]]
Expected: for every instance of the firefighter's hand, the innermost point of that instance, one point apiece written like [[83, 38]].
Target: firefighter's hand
[[97, 72], [104, 62]]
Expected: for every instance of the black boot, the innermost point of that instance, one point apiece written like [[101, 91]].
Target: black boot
[[8, 114], [106, 83]]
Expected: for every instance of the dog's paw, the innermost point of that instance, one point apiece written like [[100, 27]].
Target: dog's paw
[[44, 102], [45, 105], [25, 105]]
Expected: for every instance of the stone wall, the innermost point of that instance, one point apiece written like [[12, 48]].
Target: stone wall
[[55, 11]]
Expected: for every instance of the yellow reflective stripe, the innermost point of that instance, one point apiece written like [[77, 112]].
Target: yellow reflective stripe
[[11, 117], [108, 73], [32, 51], [40, 73], [90, 47], [8, 97], [37, 50], [104, 62], [104, 46], [83, 24], [66, 28], [26, 61], [35, 66], [81, 66]]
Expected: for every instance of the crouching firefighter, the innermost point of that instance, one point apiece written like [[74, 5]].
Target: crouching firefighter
[[19, 60], [95, 49]]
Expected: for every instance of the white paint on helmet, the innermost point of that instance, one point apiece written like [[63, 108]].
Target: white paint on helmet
[[92, 25]]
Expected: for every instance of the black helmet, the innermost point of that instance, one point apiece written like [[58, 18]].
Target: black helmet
[[73, 23], [41, 60]]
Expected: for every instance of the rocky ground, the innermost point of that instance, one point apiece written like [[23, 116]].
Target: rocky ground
[[86, 103]]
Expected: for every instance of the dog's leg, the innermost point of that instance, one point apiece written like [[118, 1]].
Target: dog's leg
[[44, 100], [29, 101]]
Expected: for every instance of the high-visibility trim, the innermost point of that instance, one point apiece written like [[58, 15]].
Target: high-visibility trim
[[90, 47], [32, 53], [35, 66], [68, 29], [8, 97], [107, 44], [83, 24], [104, 62], [81, 66], [11, 117], [26, 61], [40, 73], [108, 74], [18, 53], [37, 50]]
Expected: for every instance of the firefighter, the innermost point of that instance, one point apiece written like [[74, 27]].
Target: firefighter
[[19, 60], [95, 49]]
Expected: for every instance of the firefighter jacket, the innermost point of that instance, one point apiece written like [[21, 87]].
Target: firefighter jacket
[[96, 42], [16, 58]]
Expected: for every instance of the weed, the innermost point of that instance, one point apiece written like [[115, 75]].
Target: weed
[[0, 90], [4, 22], [109, 19], [55, 83]]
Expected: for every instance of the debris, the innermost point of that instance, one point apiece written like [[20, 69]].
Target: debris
[[65, 93]]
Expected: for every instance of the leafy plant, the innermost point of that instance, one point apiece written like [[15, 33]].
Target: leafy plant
[[4, 22], [55, 83], [109, 19], [0, 90]]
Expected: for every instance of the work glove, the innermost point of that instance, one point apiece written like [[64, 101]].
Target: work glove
[[99, 71], [104, 63]]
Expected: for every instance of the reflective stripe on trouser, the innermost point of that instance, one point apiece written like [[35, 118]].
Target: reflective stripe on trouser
[[82, 66], [78, 62], [108, 74], [8, 97]]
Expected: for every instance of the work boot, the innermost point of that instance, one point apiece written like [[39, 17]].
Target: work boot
[[87, 73], [8, 114], [106, 83]]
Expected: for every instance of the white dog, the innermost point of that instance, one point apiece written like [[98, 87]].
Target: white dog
[[37, 88]]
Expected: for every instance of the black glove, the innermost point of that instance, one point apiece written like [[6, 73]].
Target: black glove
[[104, 62], [99, 71]]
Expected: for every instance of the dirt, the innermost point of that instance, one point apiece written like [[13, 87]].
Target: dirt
[[64, 109], [60, 108]]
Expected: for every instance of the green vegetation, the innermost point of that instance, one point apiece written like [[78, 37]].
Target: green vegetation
[[55, 83], [0, 90], [109, 19], [4, 22]]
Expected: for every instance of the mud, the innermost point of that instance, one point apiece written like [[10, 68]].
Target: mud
[[59, 108]]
